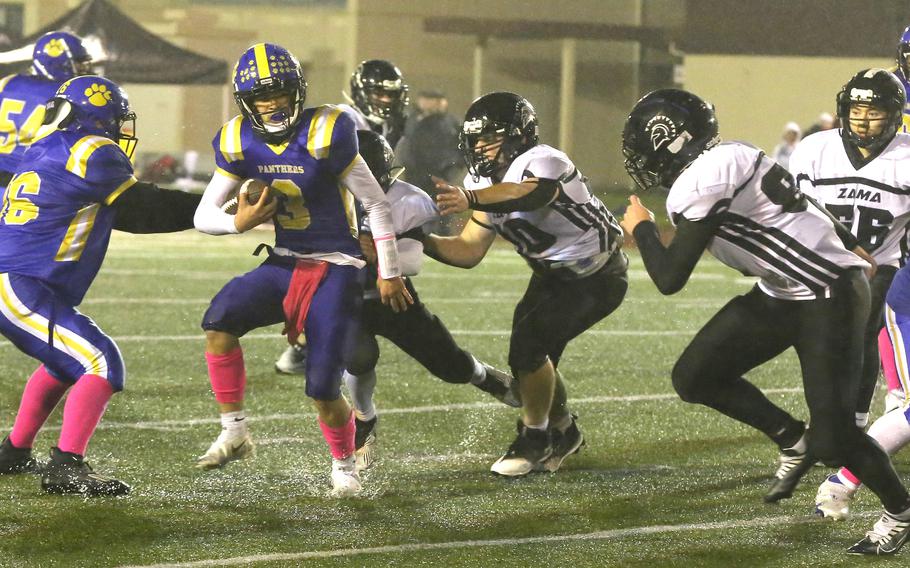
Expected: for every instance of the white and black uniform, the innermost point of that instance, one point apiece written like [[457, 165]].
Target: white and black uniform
[[416, 331], [871, 197], [574, 236], [796, 253], [573, 246], [813, 296], [389, 130]]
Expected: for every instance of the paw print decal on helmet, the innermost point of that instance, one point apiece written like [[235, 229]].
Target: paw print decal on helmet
[[98, 95]]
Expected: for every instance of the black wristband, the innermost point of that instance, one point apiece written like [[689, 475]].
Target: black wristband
[[470, 196]]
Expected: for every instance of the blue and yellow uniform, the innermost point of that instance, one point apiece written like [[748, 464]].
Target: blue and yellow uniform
[[55, 224], [22, 99], [906, 83], [317, 213]]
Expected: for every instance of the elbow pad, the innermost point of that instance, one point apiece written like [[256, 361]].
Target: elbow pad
[[546, 191]]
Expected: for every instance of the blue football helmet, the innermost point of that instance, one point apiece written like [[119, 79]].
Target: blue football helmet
[[266, 71], [59, 56], [903, 53], [90, 104]]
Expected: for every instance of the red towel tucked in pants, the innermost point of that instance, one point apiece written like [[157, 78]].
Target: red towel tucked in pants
[[304, 282]]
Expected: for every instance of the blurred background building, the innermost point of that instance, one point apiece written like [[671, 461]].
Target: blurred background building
[[582, 63]]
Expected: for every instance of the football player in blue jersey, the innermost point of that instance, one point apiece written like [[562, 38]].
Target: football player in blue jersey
[[378, 100], [903, 71], [57, 57], [312, 279], [75, 185]]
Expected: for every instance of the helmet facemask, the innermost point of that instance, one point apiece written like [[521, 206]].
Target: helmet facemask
[[273, 125], [476, 140], [861, 93]]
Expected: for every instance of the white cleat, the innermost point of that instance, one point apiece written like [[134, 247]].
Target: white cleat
[[226, 448], [894, 400], [292, 361], [833, 499], [345, 478]]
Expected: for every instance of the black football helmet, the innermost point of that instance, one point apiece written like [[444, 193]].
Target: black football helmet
[[878, 88], [372, 79], [903, 53], [502, 114], [376, 152], [666, 130]]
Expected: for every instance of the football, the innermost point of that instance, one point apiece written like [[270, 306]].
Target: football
[[254, 188]]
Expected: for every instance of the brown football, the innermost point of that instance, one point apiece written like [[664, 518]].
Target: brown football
[[254, 189]]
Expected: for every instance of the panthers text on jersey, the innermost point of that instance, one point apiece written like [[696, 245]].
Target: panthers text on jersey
[[872, 200], [574, 235], [55, 222], [768, 229], [22, 99], [317, 213]]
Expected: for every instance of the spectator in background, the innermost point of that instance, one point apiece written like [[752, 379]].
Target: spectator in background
[[790, 137], [825, 122], [430, 147]]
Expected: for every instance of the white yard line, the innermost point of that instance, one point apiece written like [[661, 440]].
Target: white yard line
[[616, 534], [167, 425]]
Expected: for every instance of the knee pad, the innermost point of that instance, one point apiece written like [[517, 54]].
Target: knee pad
[[320, 387]]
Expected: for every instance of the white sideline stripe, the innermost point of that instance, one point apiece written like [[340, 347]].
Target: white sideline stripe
[[178, 424], [523, 276], [469, 332], [491, 299], [598, 535]]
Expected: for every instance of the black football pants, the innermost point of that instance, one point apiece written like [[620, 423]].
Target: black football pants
[[827, 335]]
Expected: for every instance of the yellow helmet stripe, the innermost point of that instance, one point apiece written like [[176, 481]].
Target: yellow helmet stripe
[[262, 61]]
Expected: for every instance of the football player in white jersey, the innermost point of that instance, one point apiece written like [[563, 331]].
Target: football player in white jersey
[[534, 197], [737, 203], [859, 173], [379, 97], [418, 332]]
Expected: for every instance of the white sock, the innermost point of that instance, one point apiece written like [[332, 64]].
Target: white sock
[[892, 430], [542, 426], [479, 374], [361, 388], [846, 482], [234, 422]]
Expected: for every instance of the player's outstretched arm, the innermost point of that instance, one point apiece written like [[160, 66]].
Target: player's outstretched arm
[[669, 267], [505, 197], [467, 249], [146, 208]]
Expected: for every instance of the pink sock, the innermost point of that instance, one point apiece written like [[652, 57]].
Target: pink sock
[[41, 395], [340, 440], [845, 474], [886, 353], [82, 412], [228, 375]]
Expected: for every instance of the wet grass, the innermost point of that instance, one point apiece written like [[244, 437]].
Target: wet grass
[[650, 462]]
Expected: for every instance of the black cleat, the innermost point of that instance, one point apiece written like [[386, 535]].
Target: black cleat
[[68, 473], [793, 465], [564, 445], [365, 442], [15, 460], [501, 385], [530, 449], [887, 536]]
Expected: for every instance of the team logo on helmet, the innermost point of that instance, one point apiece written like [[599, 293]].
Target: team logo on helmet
[[55, 48], [98, 95], [662, 130], [861, 95]]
